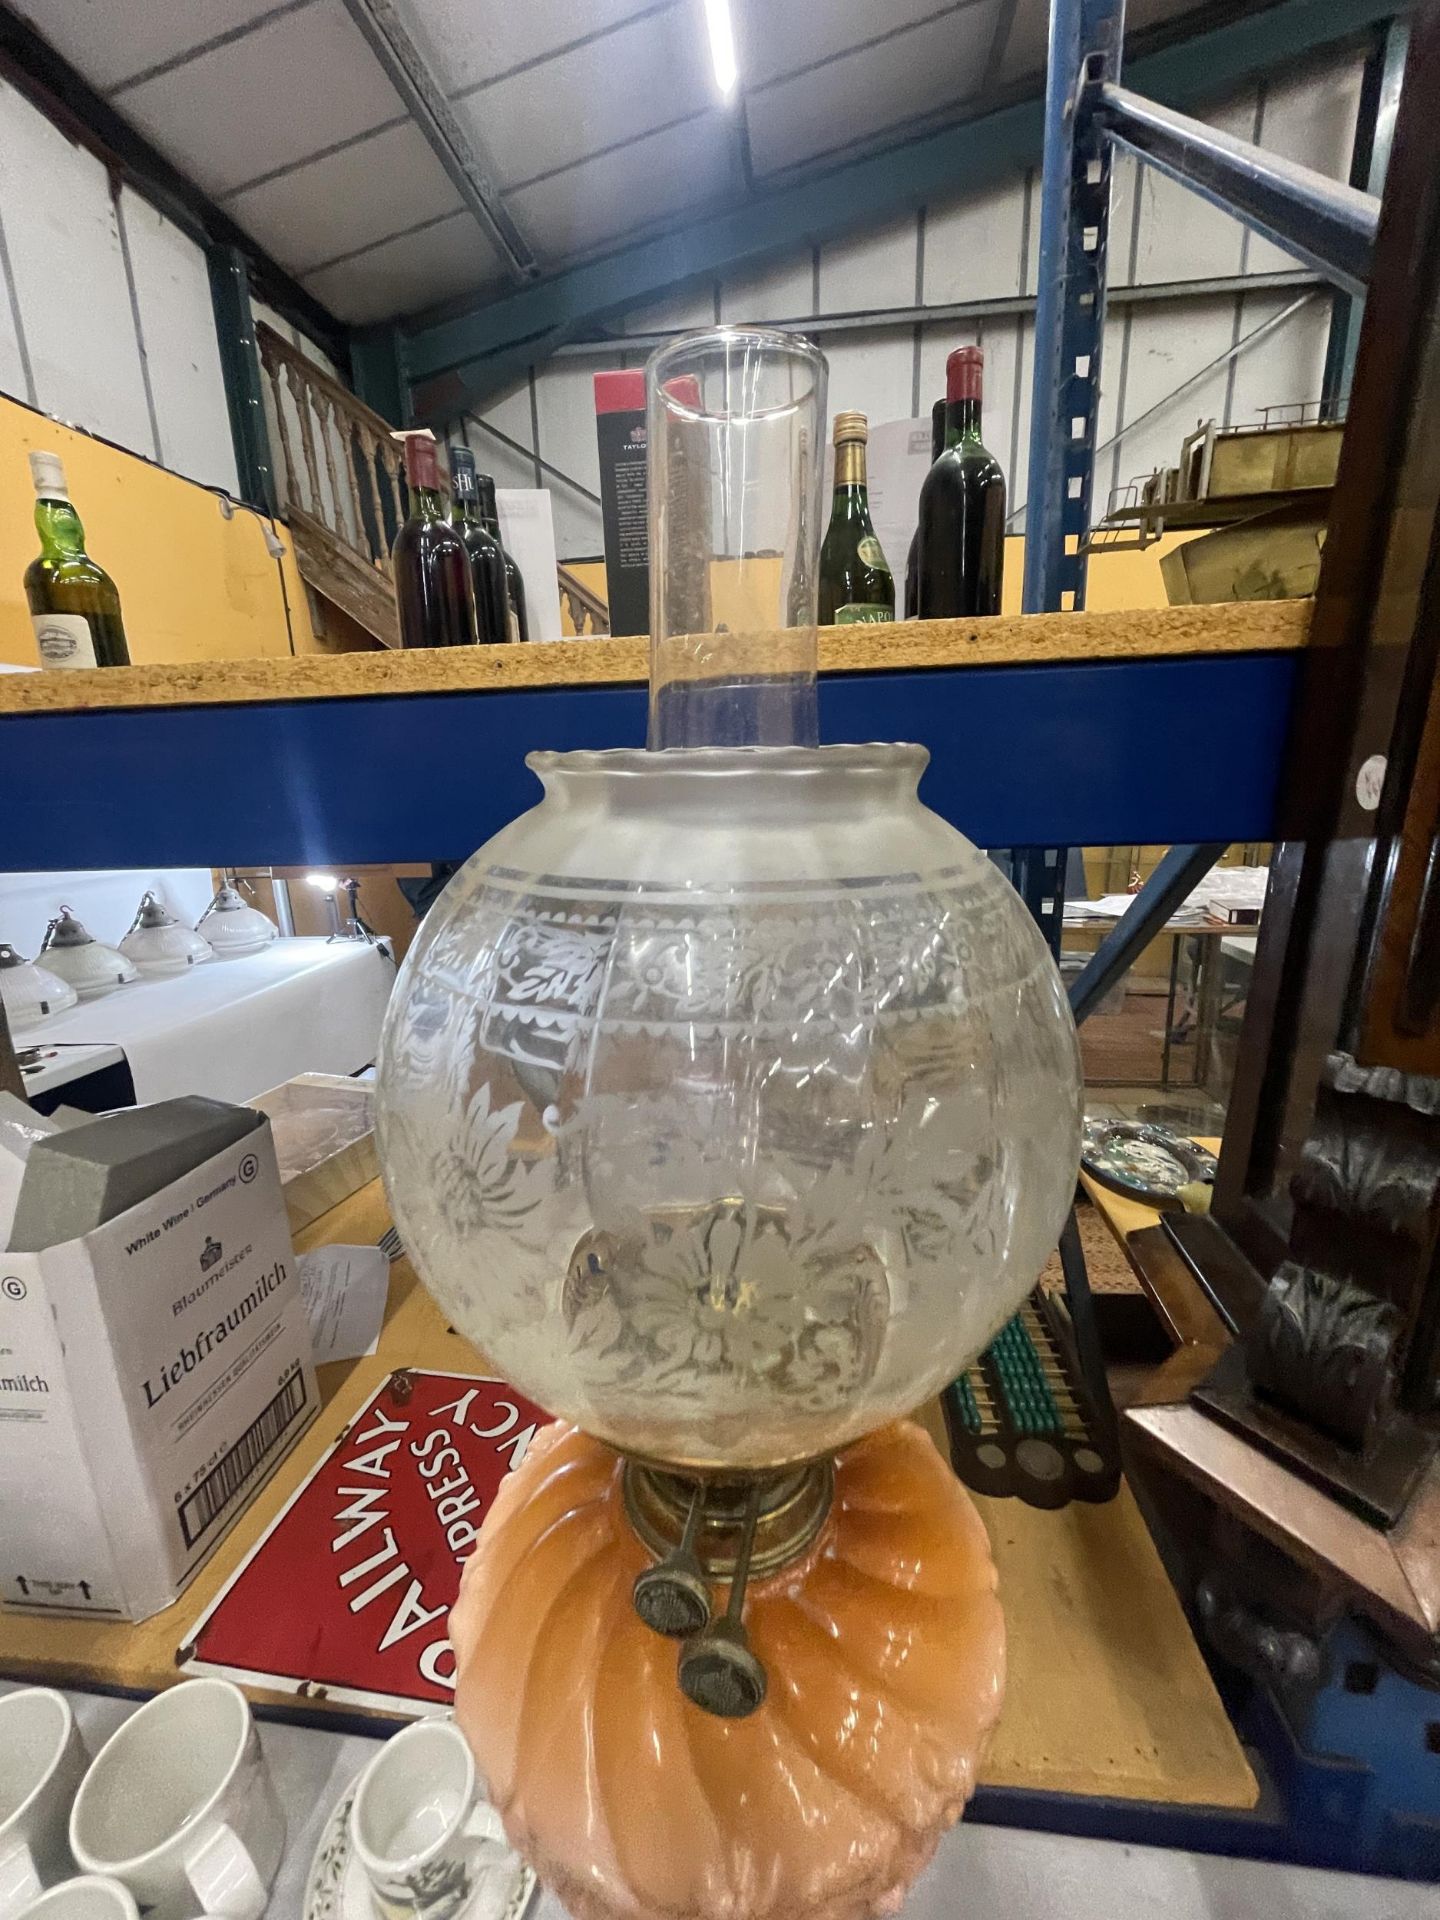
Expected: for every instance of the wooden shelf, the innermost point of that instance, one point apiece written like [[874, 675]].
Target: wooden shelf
[[1044, 639], [1107, 1693]]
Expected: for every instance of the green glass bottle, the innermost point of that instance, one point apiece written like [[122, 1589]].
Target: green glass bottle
[[514, 579], [938, 444], [960, 539], [487, 556], [856, 584], [74, 604]]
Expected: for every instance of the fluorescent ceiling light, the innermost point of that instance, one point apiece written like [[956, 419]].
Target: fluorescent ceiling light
[[325, 882], [722, 45]]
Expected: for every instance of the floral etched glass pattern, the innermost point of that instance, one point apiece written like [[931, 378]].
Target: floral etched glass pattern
[[729, 1100]]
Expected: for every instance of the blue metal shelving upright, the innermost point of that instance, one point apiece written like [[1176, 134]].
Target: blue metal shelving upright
[[1325, 224], [1347, 1754]]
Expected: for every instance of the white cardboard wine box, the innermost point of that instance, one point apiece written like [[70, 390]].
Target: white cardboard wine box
[[153, 1374]]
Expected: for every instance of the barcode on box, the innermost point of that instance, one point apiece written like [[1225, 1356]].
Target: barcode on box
[[225, 1479]]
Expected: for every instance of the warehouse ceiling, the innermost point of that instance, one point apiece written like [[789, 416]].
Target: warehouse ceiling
[[584, 121]]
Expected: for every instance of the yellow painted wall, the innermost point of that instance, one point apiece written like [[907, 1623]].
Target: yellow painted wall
[[193, 585], [1114, 582]]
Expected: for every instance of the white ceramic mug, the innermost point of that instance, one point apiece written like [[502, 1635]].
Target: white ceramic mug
[[41, 1765], [91, 1897], [179, 1807], [418, 1828]]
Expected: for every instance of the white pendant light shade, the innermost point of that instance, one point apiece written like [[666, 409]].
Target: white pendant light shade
[[30, 993], [232, 928], [158, 944], [76, 956]]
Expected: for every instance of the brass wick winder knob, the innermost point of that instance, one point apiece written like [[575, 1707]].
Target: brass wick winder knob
[[672, 1596], [707, 1533], [718, 1668]]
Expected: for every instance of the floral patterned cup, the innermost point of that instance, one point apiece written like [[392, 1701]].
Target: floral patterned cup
[[424, 1837]]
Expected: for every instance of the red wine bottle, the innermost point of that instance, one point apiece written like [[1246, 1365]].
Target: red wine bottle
[[960, 540], [434, 590], [937, 447], [514, 579], [487, 557]]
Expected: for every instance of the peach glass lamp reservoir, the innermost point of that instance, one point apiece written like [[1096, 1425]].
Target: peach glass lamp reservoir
[[729, 1101]]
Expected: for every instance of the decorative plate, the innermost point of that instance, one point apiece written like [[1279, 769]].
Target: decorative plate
[[1144, 1161], [338, 1890]]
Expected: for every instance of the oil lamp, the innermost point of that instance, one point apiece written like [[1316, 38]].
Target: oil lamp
[[729, 1100]]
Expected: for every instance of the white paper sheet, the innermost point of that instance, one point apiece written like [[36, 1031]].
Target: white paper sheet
[[344, 1290], [527, 528], [234, 1028]]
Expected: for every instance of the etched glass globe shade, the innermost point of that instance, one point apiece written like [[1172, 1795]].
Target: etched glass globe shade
[[729, 1100]]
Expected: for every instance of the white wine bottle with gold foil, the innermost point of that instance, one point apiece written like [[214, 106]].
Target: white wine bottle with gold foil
[[856, 583]]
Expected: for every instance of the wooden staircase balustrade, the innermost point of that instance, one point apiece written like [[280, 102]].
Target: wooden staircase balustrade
[[588, 612], [344, 493]]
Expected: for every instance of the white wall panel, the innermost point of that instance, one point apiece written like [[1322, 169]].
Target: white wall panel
[[1000, 422], [504, 466], [565, 401], [12, 365], [1310, 118], [509, 412], [1287, 365], [783, 290], [1181, 236], [973, 245], [1019, 473], [871, 369], [1169, 342], [69, 276], [300, 341], [1112, 384], [872, 268], [177, 324]]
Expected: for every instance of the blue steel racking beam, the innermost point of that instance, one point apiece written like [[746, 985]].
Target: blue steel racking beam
[[1325, 223], [1146, 750]]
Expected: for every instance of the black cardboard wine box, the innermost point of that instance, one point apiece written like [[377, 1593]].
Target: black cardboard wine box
[[620, 431]]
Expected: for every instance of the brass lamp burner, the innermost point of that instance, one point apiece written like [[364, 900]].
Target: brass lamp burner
[[707, 1532]]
